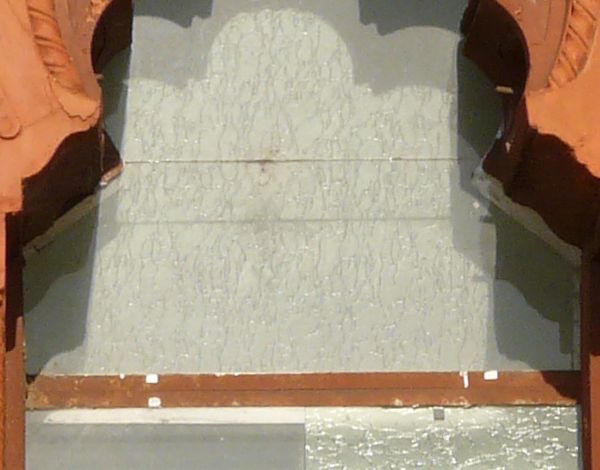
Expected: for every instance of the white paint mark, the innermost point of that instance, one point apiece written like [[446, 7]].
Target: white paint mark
[[244, 415], [465, 377], [505, 90], [121, 376], [152, 378], [68, 220], [490, 375], [154, 402]]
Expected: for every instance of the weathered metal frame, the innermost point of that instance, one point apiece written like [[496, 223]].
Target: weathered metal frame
[[403, 389]]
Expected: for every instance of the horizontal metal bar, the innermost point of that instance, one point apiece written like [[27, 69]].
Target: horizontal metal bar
[[555, 388]]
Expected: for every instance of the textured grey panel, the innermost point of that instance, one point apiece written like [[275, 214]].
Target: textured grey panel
[[322, 254], [269, 296], [164, 446], [292, 79], [189, 192], [260, 296], [478, 438]]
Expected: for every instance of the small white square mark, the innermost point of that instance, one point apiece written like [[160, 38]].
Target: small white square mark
[[490, 375], [152, 378], [154, 402]]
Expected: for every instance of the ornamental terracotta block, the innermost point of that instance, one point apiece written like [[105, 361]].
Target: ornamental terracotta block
[[543, 58], [51, 140]]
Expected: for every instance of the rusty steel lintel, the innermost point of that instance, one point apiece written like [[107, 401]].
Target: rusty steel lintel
[[556, 388]]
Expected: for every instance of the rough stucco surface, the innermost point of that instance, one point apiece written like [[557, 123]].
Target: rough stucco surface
[[297, 198], [478, 438]]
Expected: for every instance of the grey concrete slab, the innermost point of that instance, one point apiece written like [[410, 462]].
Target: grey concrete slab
[[480, 438], [164, 446]]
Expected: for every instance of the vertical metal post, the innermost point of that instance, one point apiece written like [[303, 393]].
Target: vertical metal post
[[13, 348], [2, 339], [590, 359]]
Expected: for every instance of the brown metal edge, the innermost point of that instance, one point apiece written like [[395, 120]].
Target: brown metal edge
[[556, 388], [590, 358], [14, 348], [3, 267]]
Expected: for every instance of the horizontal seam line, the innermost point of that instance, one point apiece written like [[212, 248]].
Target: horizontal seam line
[[282, 221], [321, 160]]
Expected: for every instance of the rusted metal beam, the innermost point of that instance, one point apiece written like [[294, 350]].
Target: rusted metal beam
[[12, 363], [14, 342], [590, 359], [328, 389], [2, 339]]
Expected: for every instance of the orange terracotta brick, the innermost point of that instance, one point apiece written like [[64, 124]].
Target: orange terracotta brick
[[51, 141], [543, 59]]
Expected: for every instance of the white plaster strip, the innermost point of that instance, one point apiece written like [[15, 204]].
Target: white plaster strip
[[492, 189], [67, 220], [269, 415]]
